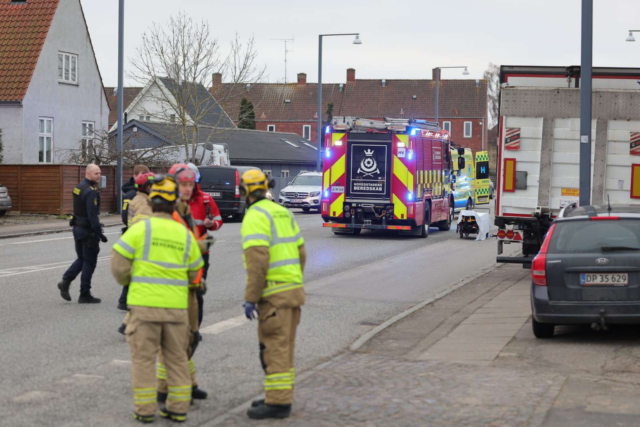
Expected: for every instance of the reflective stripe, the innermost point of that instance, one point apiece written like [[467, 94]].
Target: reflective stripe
[[274, 231], [159, 281], [256, 237], [147, 239], [196, 264], [278, 382], [270, 290], [279, 240], [125, 246], [192, 367], [198, 221], [186, 253], [162, 264], [217, 218], [292, 261], [180, 393], [293, 375], [161, 372]]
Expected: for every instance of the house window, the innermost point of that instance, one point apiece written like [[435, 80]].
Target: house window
[[172, 118], [467, 129], [267, 172], [271, 128], [306, 132], [45, 140], [67, 68], [284, 173], [145, 118], [87, 136], [446, 126]]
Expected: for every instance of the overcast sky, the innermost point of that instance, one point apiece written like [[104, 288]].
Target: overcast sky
[[401, 39]]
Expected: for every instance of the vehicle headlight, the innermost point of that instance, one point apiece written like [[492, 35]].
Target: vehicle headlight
[[282, 194], [314, 194]]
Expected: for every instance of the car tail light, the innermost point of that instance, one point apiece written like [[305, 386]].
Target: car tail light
[[510, 234], [539, 264], [605, 218], [237, 184]]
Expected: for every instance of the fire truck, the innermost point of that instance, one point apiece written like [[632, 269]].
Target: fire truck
[[393, 174]]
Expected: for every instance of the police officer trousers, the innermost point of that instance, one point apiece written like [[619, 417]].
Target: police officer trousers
[[87, 250], [277, 335], [145, 339]]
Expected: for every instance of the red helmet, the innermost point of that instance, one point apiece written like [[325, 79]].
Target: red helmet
[[144, 178], [182, 172]]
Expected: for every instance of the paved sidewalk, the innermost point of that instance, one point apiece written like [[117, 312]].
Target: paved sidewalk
[[27, 225]]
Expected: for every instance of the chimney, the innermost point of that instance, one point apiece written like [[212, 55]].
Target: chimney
[[351, 75], [433, 73], [217, 80], [302, 79]]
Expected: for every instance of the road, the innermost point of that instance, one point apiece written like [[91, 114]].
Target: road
[[64, 364]]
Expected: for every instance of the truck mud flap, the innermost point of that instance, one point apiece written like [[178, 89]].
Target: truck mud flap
[[368, 226]]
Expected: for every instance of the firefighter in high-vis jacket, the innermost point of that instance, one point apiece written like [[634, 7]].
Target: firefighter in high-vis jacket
[[274, 257], [158, 259]]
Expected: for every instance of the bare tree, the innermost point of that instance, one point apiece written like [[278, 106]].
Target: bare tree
[[100, 149], [180, 57], [492, 75]]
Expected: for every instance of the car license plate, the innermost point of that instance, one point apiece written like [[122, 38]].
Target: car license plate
[[605, 279], [215, 194], [297, 201]]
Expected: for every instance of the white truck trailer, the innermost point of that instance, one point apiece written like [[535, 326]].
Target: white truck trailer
[[539, 145]]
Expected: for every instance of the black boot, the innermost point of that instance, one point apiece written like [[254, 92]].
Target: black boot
[[264, 411], [123, 306], [198, 393], [162, 397], [122, 328], [257, 403], [64, 285], [178, 418], [87, 298], [144, 419]]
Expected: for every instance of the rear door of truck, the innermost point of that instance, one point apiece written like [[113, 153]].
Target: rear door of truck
[[369, 167]]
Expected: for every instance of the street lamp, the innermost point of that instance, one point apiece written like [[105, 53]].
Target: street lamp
[[320, 109], [630, 38], [120, 103], [437, 70]]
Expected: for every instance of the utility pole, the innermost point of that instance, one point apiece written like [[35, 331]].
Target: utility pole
[[586, 102], [286, 51], [120, 103]]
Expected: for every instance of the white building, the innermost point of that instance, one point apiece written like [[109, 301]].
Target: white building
[[51, 92]]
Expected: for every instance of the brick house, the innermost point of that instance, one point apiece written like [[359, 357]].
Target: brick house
[[293, 107]]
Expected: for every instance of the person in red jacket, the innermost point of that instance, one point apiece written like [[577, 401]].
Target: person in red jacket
[[206, 216]]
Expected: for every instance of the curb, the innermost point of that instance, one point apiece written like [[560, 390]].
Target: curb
[[369, 335], [44, 232]]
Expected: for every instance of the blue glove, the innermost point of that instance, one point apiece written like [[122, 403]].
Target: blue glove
[[250, 310]]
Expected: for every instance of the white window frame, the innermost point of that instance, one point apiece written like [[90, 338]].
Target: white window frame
[[67, 68], [271, 128], [284, 173], [470, 129], [306, 128], [144, 118], [267, 172], [444, 126], [88, 133], [45, 135]]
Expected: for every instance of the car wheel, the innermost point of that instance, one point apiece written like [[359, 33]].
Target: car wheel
[[306, 209], [542, 330], [446, 224], [2, 213], [469, 205]]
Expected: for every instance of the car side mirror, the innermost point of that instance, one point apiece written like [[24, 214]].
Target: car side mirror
[[461, 163], [453, 178], [290, 183]]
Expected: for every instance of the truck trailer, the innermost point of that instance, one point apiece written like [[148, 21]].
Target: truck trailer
[[391, 174], [539, 148]]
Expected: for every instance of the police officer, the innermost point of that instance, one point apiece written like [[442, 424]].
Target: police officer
[[129, 192], [158, 299], [274, 256], [87, 234]]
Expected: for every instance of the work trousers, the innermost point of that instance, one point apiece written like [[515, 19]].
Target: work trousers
[[161, 371], [86, 262], [205, 271], [145, 340], [277, 335]]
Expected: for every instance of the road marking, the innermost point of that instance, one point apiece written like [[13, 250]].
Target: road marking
[[225, 325], [120, 362], [48, 240], [37, 268]]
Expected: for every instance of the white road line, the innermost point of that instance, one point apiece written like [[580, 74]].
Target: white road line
[[225, 325], [37, 268], [48, 240]]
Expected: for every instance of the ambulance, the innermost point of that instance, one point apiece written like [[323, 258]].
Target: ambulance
[[471, 185]]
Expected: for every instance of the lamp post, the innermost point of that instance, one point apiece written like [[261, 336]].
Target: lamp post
[[630, 38], [437, 70], [586, 68], [120, 103], [320, 109]]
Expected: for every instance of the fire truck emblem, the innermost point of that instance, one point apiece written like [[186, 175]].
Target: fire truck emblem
[[368, 165]]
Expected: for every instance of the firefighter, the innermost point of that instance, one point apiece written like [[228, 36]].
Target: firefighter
[[206, 216], [274, 256], [186, 181], [87, 234], [158, 300]]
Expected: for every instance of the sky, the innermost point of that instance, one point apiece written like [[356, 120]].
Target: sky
[[401, 40]]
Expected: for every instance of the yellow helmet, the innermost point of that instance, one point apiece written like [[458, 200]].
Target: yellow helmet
[[164, 188], [254, 182]]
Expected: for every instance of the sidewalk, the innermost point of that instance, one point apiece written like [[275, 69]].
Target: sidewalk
[[33, 225]]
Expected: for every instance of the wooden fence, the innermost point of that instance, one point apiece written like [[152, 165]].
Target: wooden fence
[[47, 189]]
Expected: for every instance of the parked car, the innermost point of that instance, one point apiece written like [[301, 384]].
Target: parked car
[[303, 192], [223, 184], [588, 269], [5, 200]]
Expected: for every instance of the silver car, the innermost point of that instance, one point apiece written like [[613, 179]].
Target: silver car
[[5, 200]]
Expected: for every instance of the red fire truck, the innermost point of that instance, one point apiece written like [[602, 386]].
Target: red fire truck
[[386, 175]]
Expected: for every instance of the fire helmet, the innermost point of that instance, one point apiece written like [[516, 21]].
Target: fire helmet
[[182, 172], [195, 170], [254, 182], [164, 189]]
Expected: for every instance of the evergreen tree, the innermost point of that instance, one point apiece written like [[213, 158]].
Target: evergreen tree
[[247, 115], [1, 148]]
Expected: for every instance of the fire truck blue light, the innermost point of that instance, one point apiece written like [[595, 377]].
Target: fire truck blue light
[[410, 155], [410, 196], [328, 153], [414, 131], [326, 194], [328, 129]]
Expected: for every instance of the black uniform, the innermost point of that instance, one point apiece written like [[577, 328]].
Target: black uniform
[[87, 233]]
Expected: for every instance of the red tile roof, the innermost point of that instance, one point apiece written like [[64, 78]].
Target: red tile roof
[[23, 30], [130, 94], [362, 98]]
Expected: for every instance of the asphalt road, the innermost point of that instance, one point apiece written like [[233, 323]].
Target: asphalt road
[[64, 364]]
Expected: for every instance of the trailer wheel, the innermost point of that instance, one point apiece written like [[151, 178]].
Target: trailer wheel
[[445, 225]]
